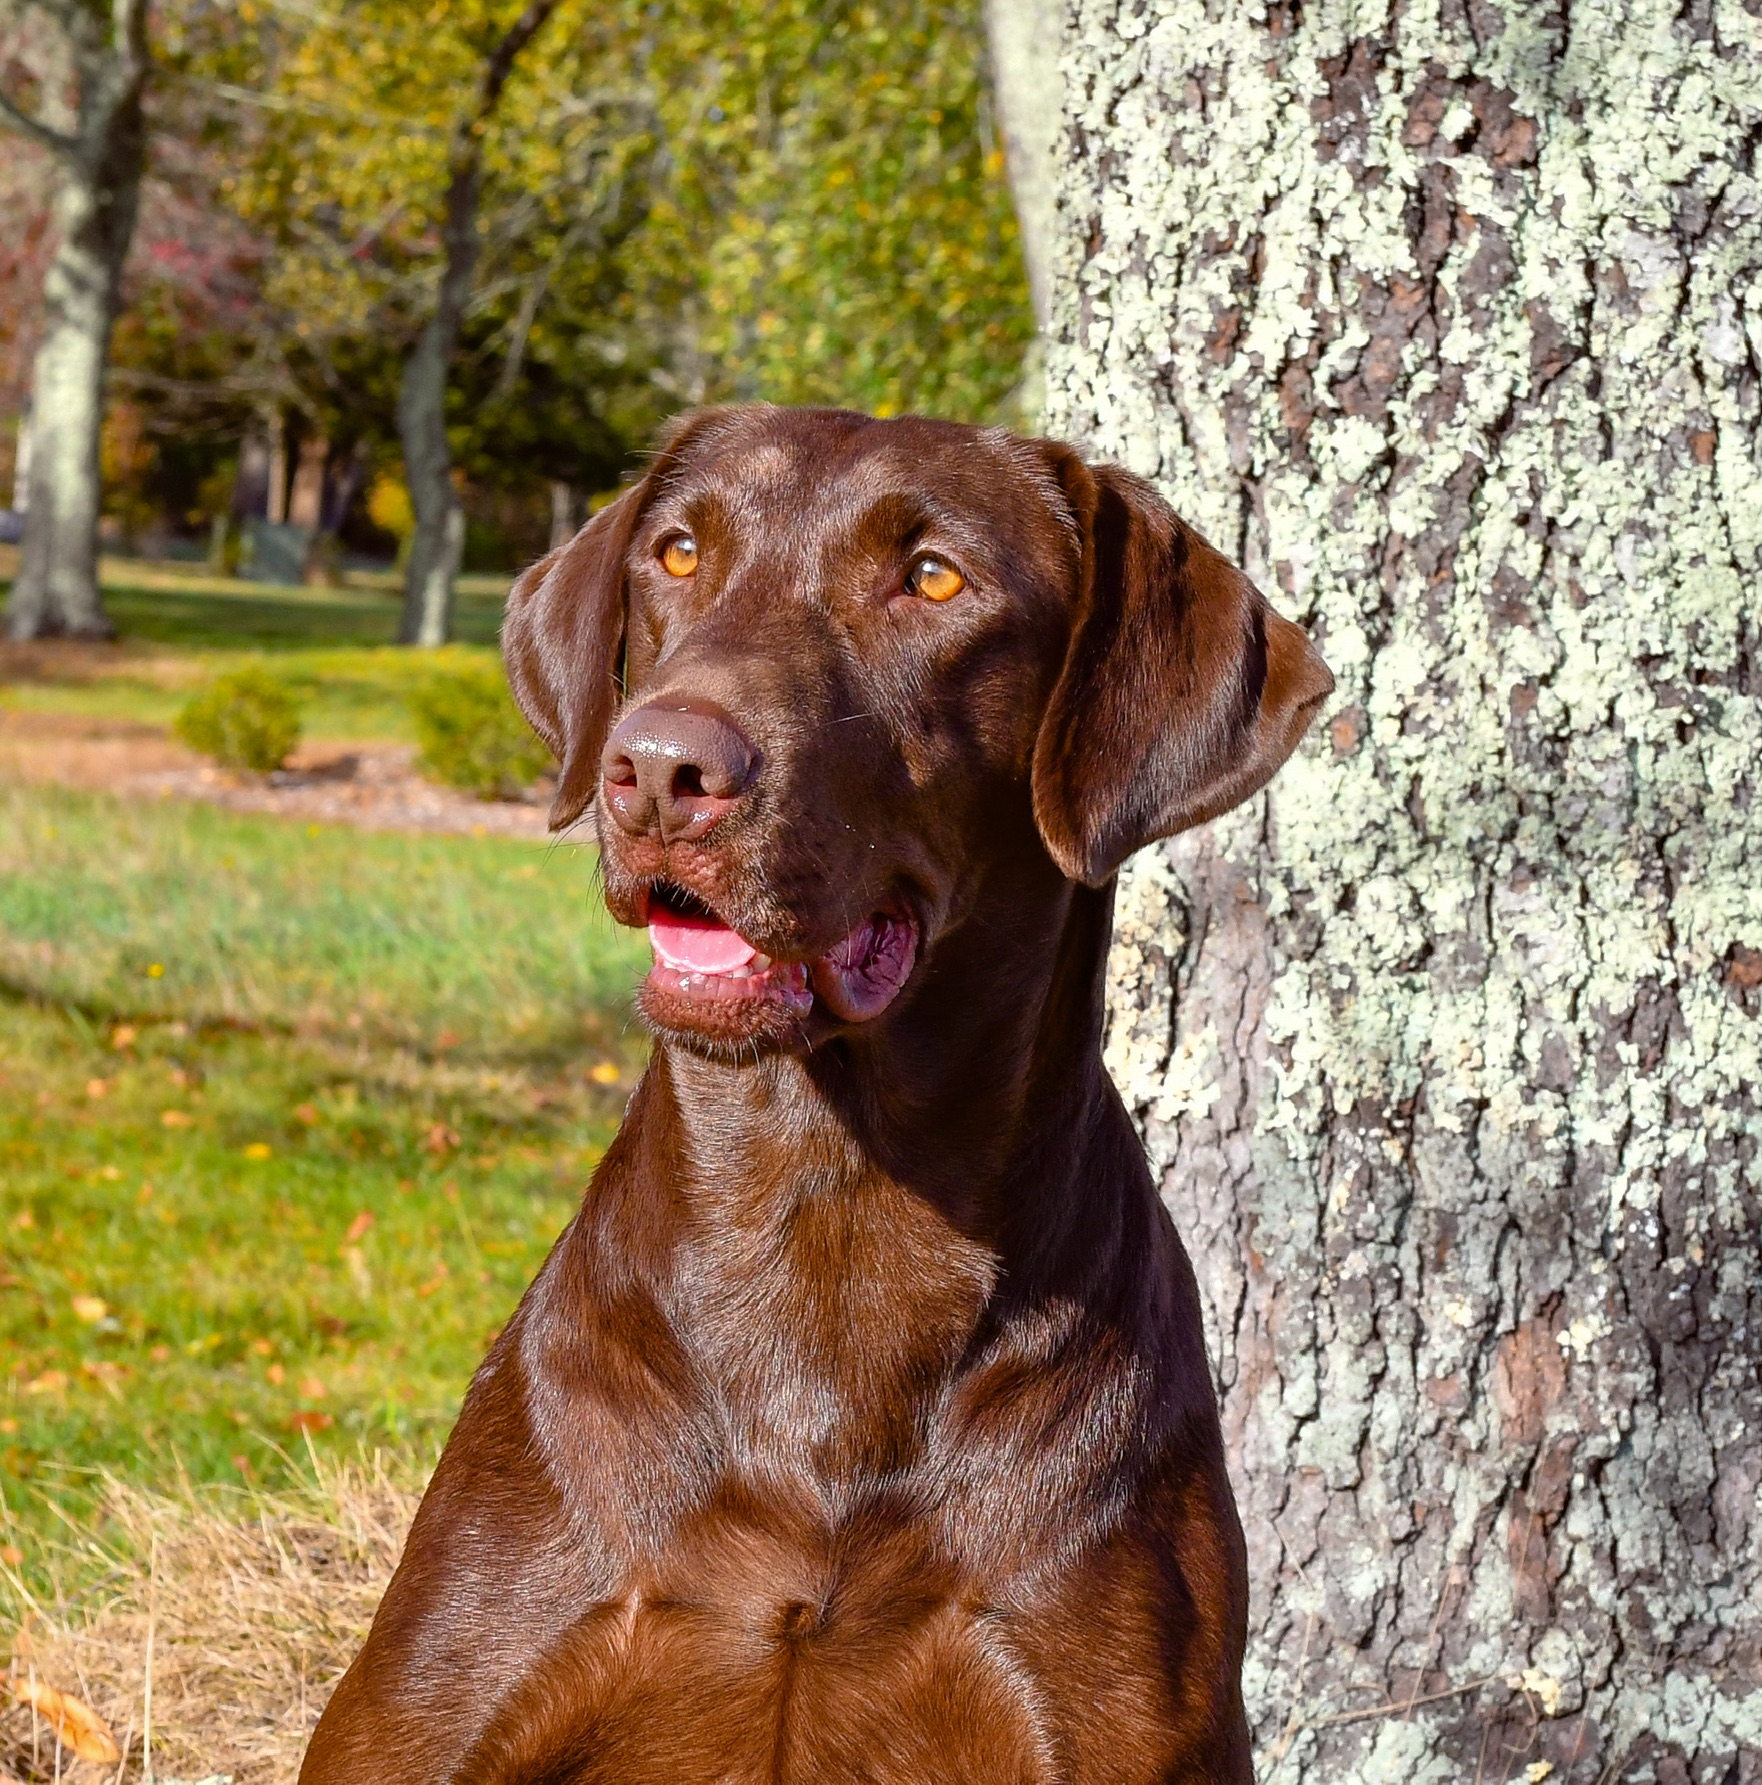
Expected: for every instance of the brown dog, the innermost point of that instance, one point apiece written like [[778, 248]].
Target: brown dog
[[859, 1428]]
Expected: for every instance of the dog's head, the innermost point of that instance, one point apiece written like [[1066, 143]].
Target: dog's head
[[818, 670]]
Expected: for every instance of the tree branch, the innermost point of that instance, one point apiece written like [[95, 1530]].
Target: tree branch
[[129, 28], [55, 141], [501, 62]]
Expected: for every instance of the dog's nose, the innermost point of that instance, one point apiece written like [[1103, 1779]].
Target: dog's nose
[[676, 767]]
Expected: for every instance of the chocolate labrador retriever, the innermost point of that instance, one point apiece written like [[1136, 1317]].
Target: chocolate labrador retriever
[[859, 1427]]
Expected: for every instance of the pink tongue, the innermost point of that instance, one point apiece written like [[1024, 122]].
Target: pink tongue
[[697, 944]]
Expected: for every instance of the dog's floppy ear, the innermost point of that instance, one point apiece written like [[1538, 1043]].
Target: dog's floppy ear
[[1181, 692], [563, 633]]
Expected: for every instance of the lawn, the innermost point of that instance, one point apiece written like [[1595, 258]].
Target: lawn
[[332, 646], [289, 1114]]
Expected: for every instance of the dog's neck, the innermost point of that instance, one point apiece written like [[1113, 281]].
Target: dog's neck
[[975, 1097], [857, 1220]]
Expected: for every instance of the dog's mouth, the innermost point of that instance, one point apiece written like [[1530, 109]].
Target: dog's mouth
[[700, 960]]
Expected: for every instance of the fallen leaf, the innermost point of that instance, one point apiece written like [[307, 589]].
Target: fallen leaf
[[80, 1727], [359, 1226], [440, 1138], [123, 1035], [312, 1389], [276, 1374], [11, 1555], [605, 1073], [258, 1149], [309, 1419], [90, 1308], [96, 1087], [109, 1374], [306, 1112], [51, 1382], [177, 1118]]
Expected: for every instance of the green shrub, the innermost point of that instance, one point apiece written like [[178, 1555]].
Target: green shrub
[[247, 720], [473, 736]]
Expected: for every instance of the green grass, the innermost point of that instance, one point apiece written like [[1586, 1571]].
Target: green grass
[[334, 646], [287, 1121]]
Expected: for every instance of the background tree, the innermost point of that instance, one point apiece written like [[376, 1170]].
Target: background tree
[[90, 120], [1448, 321], [410, 227], [833, 222], [438, 546], [690, 201]]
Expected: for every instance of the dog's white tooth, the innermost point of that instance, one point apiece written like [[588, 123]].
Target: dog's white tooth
[[760, 963]]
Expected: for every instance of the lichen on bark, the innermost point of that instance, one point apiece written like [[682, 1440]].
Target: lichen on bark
[[1447, 319]]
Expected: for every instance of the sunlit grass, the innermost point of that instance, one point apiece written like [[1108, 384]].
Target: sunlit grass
[[287, 1121]]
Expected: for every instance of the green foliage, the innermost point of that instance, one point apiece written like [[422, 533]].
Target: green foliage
[[249, 719], [684, 201], [473, 736], [837, 226]]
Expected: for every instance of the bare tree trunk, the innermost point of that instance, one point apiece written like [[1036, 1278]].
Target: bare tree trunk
[[438, 543], [564, 508], [102, 159], [306, 500], [1448, 319]]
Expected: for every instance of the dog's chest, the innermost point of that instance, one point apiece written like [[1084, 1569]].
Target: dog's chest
[[754, 1650]]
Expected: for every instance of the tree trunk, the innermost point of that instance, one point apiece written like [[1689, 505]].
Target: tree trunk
[[102, 160], [564, 508], [1448, 321], [438, 544], [1023, 37]]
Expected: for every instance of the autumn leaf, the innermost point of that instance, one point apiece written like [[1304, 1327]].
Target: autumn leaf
[[359, 1226], [80, 1729]]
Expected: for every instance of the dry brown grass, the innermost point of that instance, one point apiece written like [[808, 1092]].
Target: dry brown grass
[[218, 1620]]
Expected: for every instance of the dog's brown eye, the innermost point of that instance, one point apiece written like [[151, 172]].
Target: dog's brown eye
[[934, 580], [679, 555]]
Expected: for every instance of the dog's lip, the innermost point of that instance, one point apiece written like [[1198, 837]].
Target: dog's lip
[[700, 956]]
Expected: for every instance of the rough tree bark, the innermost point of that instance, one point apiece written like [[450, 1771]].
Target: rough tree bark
[[1446, 316], [439, 540], [102, 154]]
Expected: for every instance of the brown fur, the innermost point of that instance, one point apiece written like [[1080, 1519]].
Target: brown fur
[[860, 1428]]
